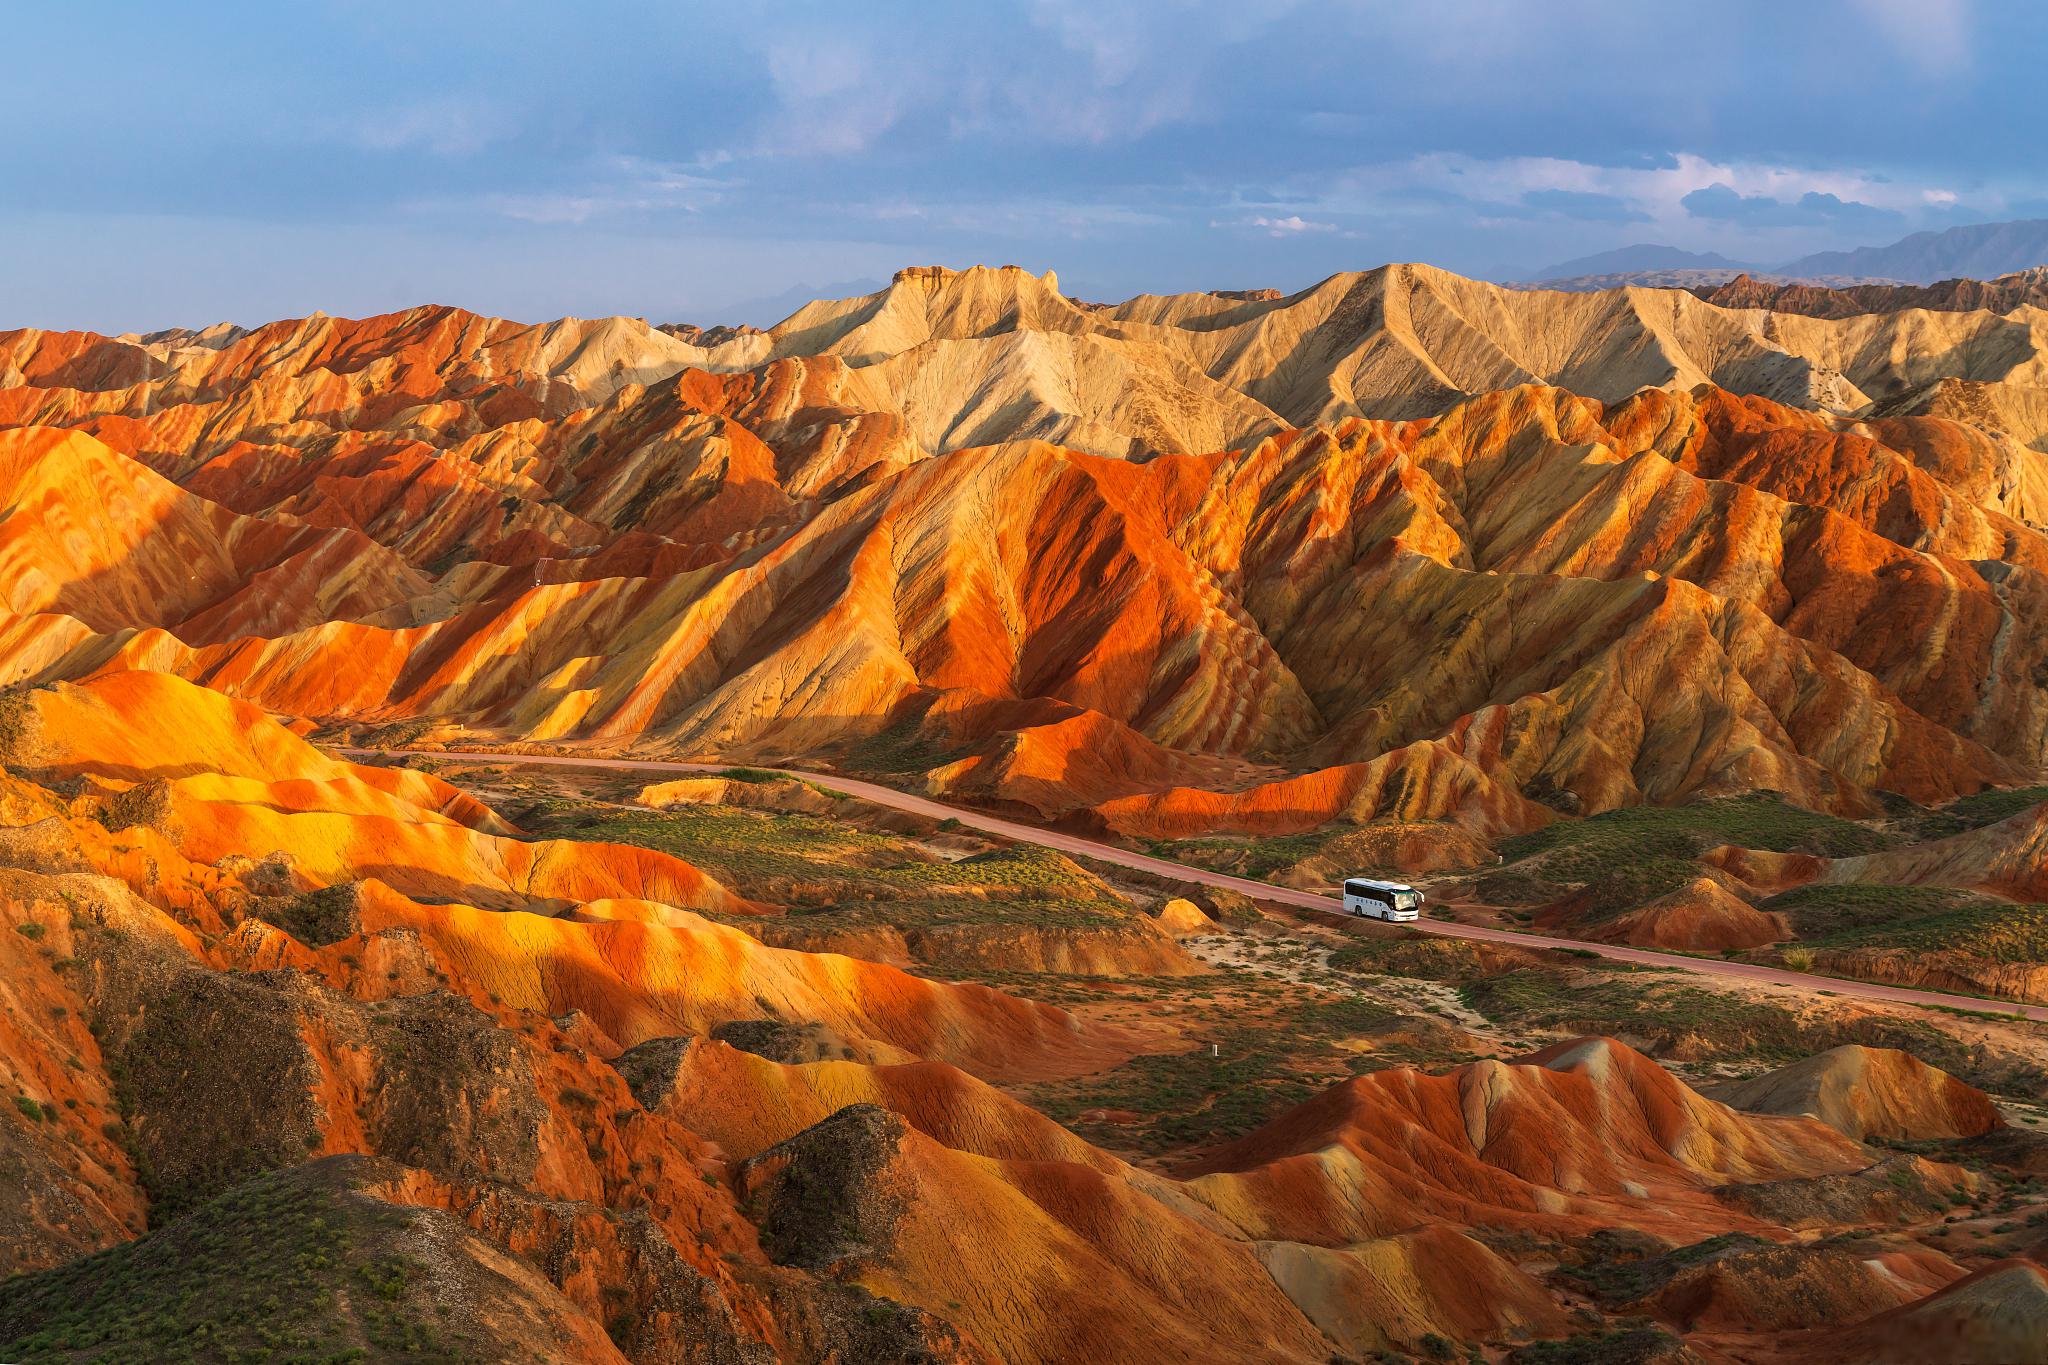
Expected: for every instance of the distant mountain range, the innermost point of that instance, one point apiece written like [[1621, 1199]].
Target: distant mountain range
[[1644, 256], [1979, 251]]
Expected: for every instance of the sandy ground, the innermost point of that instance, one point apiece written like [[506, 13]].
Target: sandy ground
[[1305, 962]]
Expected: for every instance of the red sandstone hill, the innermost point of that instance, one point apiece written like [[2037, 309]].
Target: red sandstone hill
[[2002, 295], [257, 994], [1869, 1092], [571, 533], [1398, 545], [1552, 1142]]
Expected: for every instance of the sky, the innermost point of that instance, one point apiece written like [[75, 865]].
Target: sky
[[179, 165]]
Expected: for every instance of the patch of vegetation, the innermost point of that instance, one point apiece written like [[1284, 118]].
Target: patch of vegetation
[[1258, 859], [1374, 846], [822, 866], [146, 803], [14, 721], [1757, 820], [275, 1269], [1974, 812], [1627, 856], [1618, 1275], [749, 775], [1620, 1346], [763, 776], [902, 748], [399, 734], [1989, 930], [1665, 1016], [1516, 887], [1819, 910], [1429, 959], [1275, 1045], [1635, 1006], [318, 918]]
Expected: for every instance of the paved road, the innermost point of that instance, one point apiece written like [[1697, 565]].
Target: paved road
[[1307, 900]]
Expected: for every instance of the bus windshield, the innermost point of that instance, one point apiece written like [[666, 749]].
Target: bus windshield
[[1407, 900]]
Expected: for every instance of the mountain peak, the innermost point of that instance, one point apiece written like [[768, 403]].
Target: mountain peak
[[1642, 256], [935, 276], [1980, 251]]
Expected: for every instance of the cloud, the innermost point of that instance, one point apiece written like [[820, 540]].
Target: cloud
[[1933, 35], [621, 185], [1812, 209], [1290, 225], [835, 93], [1142, 64], [1057, 73], [1677, 192], [1585, 205]]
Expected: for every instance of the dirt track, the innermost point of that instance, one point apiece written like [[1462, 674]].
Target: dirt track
[[1308, 900]]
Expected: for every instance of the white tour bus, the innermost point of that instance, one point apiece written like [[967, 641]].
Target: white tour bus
[[1382, 900]]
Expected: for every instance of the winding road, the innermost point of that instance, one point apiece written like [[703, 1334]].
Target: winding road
[[1307, 900]]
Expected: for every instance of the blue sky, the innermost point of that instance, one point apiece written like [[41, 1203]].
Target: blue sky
[[230, 160]]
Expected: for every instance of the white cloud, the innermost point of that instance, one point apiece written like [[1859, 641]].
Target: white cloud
[[1081, 73], [835, 92], [1934, 35], [1657, 191], [1290, 225]]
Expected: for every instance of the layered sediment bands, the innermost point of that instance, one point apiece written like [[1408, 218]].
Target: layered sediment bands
[[2001, 295], [628, 1131], [1087, 1268], [134, 727], [2008, 858], [1942, 969], [1365, 1289], [244, 811], [1400, 545], [99, 538], [1581, 636], [1512, 1145], [656, 974], [1411, 340]]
